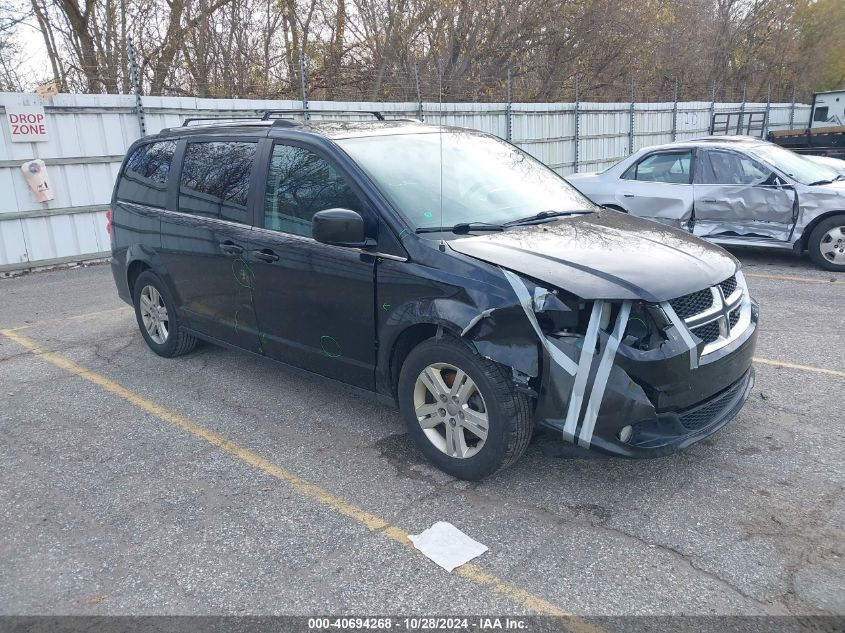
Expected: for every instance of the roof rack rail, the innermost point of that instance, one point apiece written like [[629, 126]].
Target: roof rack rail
[[193, 119], [269, 114]]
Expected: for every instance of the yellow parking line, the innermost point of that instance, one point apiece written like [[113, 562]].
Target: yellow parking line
[[317, 493], [76, 317], [809, 280], [784, 364]]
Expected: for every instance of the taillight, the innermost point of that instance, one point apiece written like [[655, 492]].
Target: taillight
[[109, 228]]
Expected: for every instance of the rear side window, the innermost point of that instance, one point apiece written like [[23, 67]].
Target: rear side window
[[671, 167], [215, 180], [299, 184], [144, 179]]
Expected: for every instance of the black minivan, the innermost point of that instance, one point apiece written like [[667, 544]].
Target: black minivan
[[443, 269]]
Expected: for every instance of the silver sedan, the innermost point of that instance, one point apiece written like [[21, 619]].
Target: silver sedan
[[732, 191]]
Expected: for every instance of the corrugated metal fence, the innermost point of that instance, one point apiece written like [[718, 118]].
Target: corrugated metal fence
[[89, 134]]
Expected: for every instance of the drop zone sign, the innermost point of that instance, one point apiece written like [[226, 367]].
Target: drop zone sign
[[26, 123]]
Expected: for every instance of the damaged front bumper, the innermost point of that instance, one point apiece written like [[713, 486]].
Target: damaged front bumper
[[651, 403]]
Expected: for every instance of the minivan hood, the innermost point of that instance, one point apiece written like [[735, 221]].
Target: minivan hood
[[606, 255]]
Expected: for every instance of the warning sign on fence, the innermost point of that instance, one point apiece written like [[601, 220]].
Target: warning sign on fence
[[26, 123]]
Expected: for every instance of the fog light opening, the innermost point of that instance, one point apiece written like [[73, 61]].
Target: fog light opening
[[625, 433]]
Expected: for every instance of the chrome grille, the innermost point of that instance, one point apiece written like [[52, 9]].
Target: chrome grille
[[728, 286], [734, 318], [693, 303], [715, 315], [708, 332]]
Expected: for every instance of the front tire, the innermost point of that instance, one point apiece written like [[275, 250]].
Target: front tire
[[827, 244], [462, 410], [157, 319]]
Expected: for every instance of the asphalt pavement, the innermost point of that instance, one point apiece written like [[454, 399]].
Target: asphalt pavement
[[218, 483]]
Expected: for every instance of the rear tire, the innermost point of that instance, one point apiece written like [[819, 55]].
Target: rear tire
[[827, 244], [476, 390], [157, 318]]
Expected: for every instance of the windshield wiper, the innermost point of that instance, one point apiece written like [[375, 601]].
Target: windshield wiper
[[827, 182], [545, 215], [462, 227]]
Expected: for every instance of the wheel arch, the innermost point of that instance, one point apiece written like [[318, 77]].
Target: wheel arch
[[808, 230], [133, 271], [409, 338]]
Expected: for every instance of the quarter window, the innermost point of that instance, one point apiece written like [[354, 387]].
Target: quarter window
[[299, 184], [215, 180], [671, 167], [144, 179]]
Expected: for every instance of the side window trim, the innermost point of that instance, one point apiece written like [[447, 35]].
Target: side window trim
[[258, 184], [176, 175]]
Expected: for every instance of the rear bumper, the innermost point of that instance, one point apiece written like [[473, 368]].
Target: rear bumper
[[121, 281], [655, 403]]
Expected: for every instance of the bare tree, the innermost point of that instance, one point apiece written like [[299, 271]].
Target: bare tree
[[368, 49]]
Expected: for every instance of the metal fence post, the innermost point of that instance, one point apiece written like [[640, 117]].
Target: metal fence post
[[631, 119], [420, 113], [509, 109], [577, 122], [741, 112], [792, 110], [768, 110], [136, 86], [303, 73], [675, 114], [712, 105]]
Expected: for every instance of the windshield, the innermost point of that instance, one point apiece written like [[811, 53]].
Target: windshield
[[793, 165], [485, 180]]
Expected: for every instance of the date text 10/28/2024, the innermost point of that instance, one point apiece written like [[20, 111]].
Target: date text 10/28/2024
[[421, 623]]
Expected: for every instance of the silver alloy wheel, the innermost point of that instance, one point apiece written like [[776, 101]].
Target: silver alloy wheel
[[451, 410], [154, 314], [832, 246]]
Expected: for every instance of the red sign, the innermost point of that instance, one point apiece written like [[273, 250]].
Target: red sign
[[27, 124]]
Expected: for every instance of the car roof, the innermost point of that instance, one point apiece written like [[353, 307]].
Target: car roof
[[712, 141], [327, 128]]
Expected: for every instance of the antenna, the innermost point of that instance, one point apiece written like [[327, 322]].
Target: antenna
[[440, 138]]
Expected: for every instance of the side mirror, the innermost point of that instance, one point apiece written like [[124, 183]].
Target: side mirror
[[776, 181], [339, 227]]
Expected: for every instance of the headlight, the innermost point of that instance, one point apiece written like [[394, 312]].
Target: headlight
[[643, 331]]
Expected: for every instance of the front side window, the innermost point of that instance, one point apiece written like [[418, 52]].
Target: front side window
[[144, 179], [729, 168], [669, 167], [299, 184], [820, 114], [215, 179]]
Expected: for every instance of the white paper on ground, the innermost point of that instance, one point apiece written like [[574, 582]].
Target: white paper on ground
[[447, 546]]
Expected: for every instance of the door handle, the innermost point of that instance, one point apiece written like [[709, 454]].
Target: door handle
[[265, 255], [627, 195], [230, 248]]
